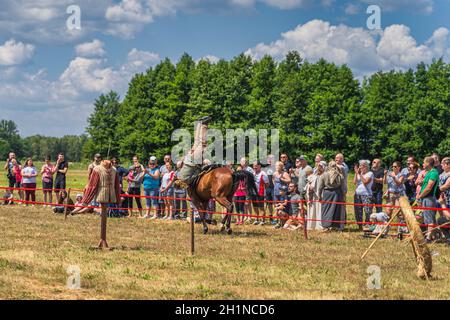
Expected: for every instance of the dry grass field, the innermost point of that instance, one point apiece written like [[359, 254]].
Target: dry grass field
[[151, 260]]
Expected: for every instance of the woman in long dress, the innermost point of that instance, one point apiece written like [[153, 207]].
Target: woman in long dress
[[330, 192], [314, 215]]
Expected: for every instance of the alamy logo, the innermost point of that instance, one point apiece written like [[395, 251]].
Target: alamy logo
[[74, 20], [74, 277], [374, 280], [374, 20]]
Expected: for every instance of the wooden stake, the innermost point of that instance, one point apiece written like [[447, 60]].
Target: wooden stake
[[103, 244], [66, 209], [192, 232], [380, 234], [305, 227]]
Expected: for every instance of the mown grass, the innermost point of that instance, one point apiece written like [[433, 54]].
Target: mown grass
[[152, 261]]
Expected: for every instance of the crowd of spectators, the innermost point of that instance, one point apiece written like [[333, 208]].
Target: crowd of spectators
[[287, 192]]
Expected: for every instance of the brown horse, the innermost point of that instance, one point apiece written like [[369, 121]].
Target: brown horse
[[220, 184]]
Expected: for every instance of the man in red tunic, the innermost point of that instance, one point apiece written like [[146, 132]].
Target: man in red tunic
[[103, 186]]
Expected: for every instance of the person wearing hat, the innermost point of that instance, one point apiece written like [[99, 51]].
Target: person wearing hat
[[151, 184], [95, 163]]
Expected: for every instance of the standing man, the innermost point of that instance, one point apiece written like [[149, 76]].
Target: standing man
[[121, 171], [428, 192], [377, 186], [262, 182], [300, 173], [287, 164], [97, 162], [339, 159], [61, 168]]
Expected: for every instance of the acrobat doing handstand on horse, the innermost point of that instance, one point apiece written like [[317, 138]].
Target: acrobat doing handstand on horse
[[213, 181]]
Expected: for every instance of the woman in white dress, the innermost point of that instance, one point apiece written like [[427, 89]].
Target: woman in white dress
[[314, 207]]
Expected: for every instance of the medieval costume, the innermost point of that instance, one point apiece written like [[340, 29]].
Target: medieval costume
[[104, 188]]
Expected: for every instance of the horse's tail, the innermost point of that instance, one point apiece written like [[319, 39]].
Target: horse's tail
[[249, 179]]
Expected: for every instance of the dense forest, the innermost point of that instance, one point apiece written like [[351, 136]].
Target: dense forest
[[318, 107]]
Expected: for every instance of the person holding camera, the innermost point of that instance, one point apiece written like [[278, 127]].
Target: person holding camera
[[9, 169], [363, 192], [396, 188], [135, 178]]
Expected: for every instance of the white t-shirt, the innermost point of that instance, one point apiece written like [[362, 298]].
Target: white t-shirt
[[28, 170], [167, 177], [364, 190], [265, 179]]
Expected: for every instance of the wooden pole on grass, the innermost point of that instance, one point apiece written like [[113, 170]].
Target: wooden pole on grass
[[103, 244], [66, 209], [305, 227], [192, 232], [380, 234]]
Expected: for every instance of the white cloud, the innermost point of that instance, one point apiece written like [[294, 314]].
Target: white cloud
[[14, 53], [129, 11], [210, 58], [139, 61], [91, 49], [422, 6], [352, 9], [364, 51], [285, 4], [67, 101], [44, 21]]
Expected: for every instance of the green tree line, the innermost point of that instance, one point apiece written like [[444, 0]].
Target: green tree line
[[318, 107]]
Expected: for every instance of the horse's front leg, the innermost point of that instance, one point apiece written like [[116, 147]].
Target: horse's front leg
[[202, 213], [228, 216]]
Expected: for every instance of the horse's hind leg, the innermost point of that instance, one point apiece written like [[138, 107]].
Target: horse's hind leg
[[229, 211], [227, 219]]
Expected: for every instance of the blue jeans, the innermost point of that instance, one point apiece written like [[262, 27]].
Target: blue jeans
[[429, 216], [152, 202]]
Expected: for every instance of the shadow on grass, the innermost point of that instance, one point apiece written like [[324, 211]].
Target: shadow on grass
[[246, 234]]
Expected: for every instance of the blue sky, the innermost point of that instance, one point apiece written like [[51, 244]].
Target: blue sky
[[49, 75]]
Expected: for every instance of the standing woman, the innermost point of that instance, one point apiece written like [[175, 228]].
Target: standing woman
[[363, 192], [166, 190], [280, 179], [47, 171], [396, 188], [151, 188], [410, 182], [29, 174], [312, 195], [135, 177], [17, 172], [239, 199]]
